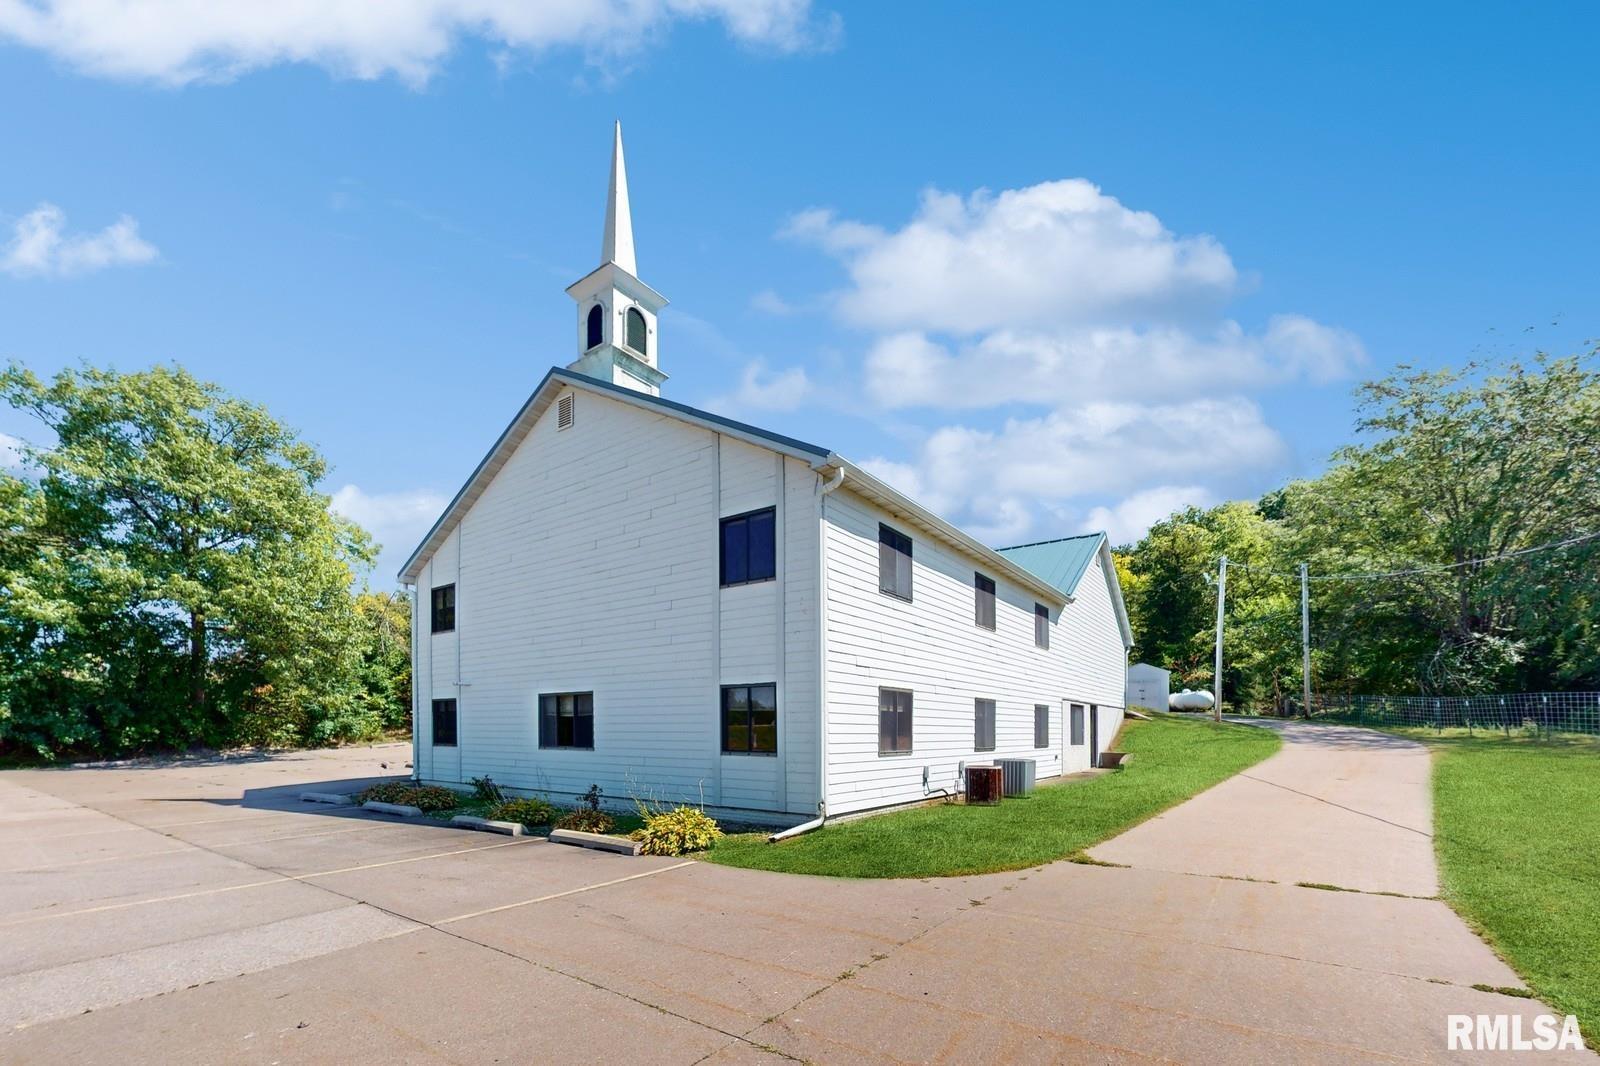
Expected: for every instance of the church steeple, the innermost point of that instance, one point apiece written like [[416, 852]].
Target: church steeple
[[617, 312], [617, 245]]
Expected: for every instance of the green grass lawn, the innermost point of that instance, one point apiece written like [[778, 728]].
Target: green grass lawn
[[1173, 759], [1517, 830]]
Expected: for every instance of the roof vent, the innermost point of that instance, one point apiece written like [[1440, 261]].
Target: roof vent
[[564, 411]]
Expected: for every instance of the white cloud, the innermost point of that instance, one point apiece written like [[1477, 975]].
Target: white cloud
[[180, 41], [1045, 256], [39, 247], [397, 520], [1130, 520], [1060, 298], [760, 391], [771, 303], [1114, 361], [11, 458], [997, 483]]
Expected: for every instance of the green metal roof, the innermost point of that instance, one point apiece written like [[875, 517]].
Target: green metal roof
[[1058, 563]]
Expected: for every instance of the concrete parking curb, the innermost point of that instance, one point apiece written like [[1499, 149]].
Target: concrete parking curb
[[400, 809], [338, 798], [489, 825], [597, 841]]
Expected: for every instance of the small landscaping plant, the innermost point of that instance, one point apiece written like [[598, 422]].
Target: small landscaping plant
[[586, 820], [529, 812], [676, 832], [484, 790], [422, 797]]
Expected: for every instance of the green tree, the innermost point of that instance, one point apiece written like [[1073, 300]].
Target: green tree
[[385, 619], [184, 579]]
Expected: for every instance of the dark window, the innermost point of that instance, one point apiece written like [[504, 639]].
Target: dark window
[[596, 329], [636, 331], [1041, 626], [749, 548], [566, 720], [983, 725], [1041, 725], [444, 723], [894, 562], [444, 608], [983, 602], [750, 719], [894, 721], [1077, 723]]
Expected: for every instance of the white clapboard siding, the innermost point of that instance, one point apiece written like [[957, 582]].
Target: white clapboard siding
[[590, 564], [1099, 664], [932, 647]]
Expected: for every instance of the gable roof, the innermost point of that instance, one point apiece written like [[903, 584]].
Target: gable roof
[[823, 460], [1064, 561], [543, 396], [1061, 562]]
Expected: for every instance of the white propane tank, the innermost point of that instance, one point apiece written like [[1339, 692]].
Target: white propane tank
[[1189, 701]]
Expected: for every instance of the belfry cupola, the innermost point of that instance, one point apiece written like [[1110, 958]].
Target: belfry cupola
[[617, 339]]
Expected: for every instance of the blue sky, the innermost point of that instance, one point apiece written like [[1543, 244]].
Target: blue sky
[[1049, 268]]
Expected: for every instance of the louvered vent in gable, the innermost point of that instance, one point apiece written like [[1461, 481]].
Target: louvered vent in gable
[[564, 411]]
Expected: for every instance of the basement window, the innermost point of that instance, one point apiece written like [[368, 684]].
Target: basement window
[[444, 723], [444, 608], [566, 720]]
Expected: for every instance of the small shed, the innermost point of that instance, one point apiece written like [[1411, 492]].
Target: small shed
[[1148, 686]]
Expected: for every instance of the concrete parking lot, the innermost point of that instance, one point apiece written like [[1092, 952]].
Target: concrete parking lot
[[198, 912]]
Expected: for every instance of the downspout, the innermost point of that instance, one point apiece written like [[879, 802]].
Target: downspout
[[822, 666]]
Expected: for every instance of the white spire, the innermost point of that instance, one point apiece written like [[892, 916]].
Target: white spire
[[617, 245]]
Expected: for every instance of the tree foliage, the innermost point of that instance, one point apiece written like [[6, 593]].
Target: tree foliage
[[172, 576], [1452, 468]]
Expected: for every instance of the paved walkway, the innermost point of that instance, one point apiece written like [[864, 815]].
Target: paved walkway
[[198, 913]]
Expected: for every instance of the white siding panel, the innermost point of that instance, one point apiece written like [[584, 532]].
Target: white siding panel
[[589, 564], [932, 647]]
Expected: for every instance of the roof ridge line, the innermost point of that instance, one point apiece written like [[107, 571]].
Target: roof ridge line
[[1052, 540]]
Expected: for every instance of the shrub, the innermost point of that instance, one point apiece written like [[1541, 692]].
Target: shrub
[[587, 821], [422, 797], [484, 790], [527, 811], [677, 832]]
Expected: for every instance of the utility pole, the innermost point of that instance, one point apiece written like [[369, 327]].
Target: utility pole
[[1305, 636], [1222, 599]]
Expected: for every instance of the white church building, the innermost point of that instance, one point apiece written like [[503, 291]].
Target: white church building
[[677, 606]]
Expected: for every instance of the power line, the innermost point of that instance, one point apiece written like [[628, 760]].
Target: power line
[[1440, 568]]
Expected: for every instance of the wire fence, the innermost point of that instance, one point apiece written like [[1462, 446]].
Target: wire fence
[[1544, 713]]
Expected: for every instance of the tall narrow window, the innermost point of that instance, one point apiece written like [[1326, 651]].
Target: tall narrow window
[[1041, 725], [636, 331], [595, 329], [444, 723], [983, 725], [1041, 626], [750, 719], [566, 720], [749, 547], [444, 608], [983, 601], [894, 721], [894, 562], [1076, 735]]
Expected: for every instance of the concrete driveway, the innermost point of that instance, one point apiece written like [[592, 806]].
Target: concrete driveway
[[199, 913]]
